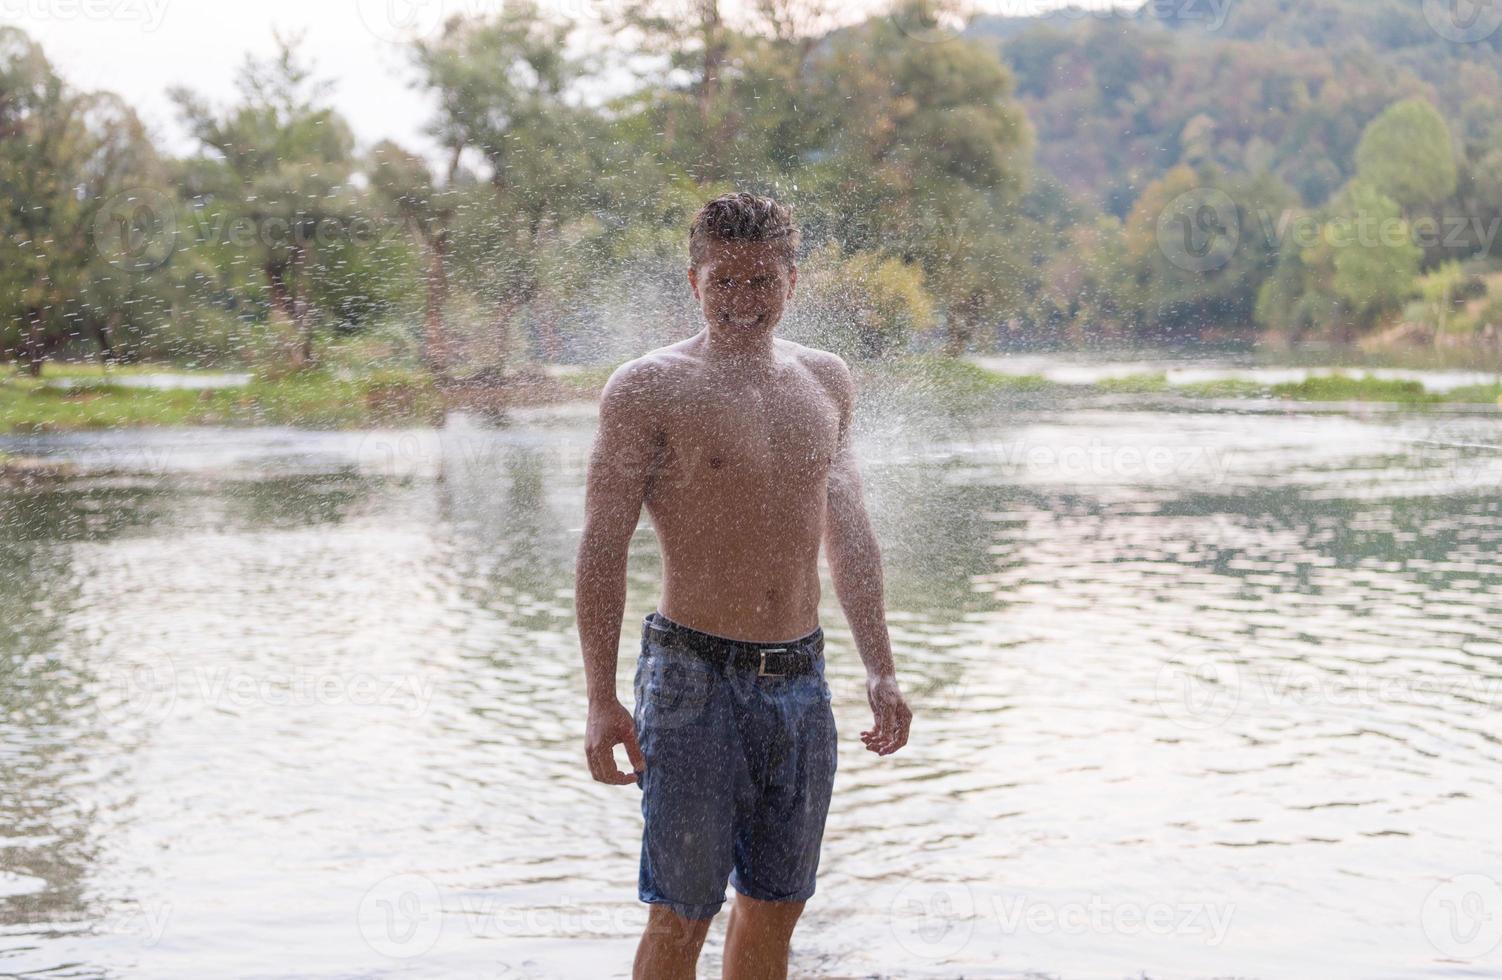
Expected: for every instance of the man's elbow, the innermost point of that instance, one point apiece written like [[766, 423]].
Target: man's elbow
[[603, 544], [850, 543]]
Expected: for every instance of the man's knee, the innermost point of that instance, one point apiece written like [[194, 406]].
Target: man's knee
[[676, 931], [774, 917]]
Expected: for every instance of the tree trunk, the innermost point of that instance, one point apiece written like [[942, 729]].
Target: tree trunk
[[104, 330], [288, 302], [36, 343], [714, 55], [283, 307], [434, 340], [301, 307]]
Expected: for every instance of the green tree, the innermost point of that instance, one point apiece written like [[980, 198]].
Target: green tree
[[1406, 154], [862, 306], [64, 156], [503, 86], [1375, 260], [278, 178], [928, 163]]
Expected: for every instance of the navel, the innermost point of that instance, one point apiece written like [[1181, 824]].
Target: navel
[[715, 462]]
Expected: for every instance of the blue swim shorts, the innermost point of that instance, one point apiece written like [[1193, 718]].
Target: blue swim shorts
[[740, 766]]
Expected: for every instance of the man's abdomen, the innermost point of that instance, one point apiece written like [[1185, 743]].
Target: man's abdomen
[[743, 596]]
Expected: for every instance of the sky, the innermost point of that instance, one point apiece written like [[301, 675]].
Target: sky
[[142, 48]]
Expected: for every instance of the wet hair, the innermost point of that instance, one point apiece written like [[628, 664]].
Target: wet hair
[[743, 217]]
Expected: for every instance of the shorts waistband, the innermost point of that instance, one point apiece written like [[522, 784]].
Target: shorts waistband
[[811, 643]]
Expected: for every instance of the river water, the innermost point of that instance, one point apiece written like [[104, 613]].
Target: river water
[[1197, 694]]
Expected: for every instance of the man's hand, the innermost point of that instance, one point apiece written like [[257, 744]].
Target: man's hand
[[610, 724], [893, 717]]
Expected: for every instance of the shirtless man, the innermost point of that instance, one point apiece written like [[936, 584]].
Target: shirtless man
[[738, 443]]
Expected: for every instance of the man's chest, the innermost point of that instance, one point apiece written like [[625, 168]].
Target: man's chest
[[740, 436]]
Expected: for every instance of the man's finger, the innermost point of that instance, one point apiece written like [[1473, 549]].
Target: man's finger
[[611, 773], [602, 765], [634, 753]]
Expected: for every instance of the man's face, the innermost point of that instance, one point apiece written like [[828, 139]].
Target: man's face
[[742, 285]]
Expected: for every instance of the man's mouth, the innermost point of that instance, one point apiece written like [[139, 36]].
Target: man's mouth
[[745, 319]]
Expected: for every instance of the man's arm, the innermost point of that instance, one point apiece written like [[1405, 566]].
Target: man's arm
[[619, 468], [855, 566]]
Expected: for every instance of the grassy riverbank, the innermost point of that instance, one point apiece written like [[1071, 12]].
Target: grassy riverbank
[[316, 399], [341, 398]]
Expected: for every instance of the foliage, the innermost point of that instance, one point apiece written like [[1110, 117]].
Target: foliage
[[861, 306], [1405, 154]]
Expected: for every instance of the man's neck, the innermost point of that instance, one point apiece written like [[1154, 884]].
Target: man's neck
[[738, 350]]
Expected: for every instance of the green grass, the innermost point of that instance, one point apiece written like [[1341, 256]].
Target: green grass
[[328, 398], [1476, 395], [949, 377], [96, 369], [1224, 388], [314, 399], [587, 380], [1340, 387], [1135, 384]]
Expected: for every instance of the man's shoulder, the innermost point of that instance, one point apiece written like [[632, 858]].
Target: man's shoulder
[[644, 377], [829, 367]]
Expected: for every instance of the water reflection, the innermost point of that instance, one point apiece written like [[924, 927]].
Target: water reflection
[[1196, 693]]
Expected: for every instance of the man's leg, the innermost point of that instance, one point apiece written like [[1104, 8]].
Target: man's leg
[[758, 937], [670, 946]]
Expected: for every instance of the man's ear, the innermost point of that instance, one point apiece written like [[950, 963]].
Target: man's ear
[[693, 281], [792, 280]]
